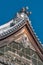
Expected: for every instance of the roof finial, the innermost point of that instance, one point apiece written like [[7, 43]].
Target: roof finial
[[27, 7]]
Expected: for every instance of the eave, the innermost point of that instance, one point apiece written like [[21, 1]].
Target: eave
[[37, 45]]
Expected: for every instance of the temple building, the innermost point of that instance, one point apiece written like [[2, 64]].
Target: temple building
[[19, 44]]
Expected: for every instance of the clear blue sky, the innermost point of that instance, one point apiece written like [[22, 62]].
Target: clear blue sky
[[8, 8]]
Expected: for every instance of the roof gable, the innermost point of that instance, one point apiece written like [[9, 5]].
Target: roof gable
[[23, 24]]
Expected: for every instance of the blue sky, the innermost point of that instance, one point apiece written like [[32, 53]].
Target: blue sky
[[8, 8]]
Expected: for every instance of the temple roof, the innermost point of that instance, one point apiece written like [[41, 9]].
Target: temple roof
[[18, 23]]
